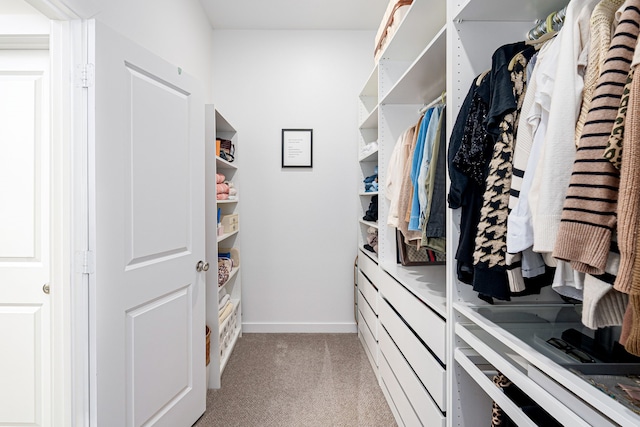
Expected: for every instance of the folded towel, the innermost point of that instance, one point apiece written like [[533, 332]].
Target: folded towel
[[220, 178], [222, 196]]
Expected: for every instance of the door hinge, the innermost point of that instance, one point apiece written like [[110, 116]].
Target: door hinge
[[85, 75], [85, 262]]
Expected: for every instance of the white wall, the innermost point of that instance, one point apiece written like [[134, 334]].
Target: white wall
[[176, 30], [297, 227]]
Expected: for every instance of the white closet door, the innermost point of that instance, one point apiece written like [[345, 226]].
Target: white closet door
[[146, 145], [25, 239]]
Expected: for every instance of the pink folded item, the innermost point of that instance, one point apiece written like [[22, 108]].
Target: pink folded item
[[220, 178], [222, 196], [222, 189]]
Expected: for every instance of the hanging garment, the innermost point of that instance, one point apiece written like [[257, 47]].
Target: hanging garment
[[490, 276], [424, 138], [521, 219], [602, 25], [559, 147], [406, 189], [393, 186], [613, 152], [589, 213], [602, 304], [434, 228], [425, 167], [628, 209], [467, 170]]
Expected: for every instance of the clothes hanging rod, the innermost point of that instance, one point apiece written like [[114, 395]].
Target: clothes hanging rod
[[439, 100], [553, 22]]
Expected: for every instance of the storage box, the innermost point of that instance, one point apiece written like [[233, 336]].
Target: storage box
[[229, 223]]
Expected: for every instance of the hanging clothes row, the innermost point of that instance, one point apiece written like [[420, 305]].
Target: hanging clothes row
[[547, 194], [416, 183]]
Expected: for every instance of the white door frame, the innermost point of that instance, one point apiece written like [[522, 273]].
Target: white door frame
[[69, 284]]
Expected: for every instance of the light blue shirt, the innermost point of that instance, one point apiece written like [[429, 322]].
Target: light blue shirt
[[419, 170]]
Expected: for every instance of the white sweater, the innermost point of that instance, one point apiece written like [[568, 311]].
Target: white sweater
[[559, 147]]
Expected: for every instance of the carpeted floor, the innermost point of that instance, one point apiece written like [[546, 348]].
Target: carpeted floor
[[297, 380]]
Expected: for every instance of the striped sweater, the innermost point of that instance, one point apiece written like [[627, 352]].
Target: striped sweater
[[602, 20], [589, 212]]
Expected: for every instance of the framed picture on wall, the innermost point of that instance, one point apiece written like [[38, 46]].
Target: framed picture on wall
[[297, 148]]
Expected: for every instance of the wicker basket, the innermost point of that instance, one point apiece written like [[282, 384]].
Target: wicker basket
[[208, 345]]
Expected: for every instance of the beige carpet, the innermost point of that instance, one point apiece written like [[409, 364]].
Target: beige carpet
[[297, 380]]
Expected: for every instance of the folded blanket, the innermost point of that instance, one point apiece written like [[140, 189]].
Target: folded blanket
[[223, 302], [220, 312], [220, 178], [225, 313], [222, 189]]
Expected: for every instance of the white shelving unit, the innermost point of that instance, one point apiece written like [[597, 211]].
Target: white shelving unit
[[402, 310], [433, 343], [509, 337], [223, 335]]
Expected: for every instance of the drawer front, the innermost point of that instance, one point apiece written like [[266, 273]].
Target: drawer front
[[430, 327], [422, 402], [369, 340], [369, 292], [369, 316], [398, 399], [428, 370], [369, 267]]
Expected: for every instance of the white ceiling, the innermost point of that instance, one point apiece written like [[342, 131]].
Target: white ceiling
[[16, 7], [295, 14]]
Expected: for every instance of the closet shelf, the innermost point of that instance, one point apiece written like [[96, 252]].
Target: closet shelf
[[232, 274], [524, 343], [515, 10], [420, 24], [227, 201], [369, 223], [368, 193], [370, 89], [371, 157], [425, 79], [484, 381], [229, 350], [515, 367], [371, 121], [227, 235], [223, 164]]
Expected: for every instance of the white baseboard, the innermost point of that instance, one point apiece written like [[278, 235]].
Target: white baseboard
[[316, 328]]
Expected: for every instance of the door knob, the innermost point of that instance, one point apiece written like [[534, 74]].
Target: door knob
[[202, 266], [45, 288]]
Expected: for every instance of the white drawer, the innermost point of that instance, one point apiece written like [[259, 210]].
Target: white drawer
[[430, 327], [369, 292], [369, 341], [428, 370], [369, 316], [398, 399], [369, 267], [421, 400]]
